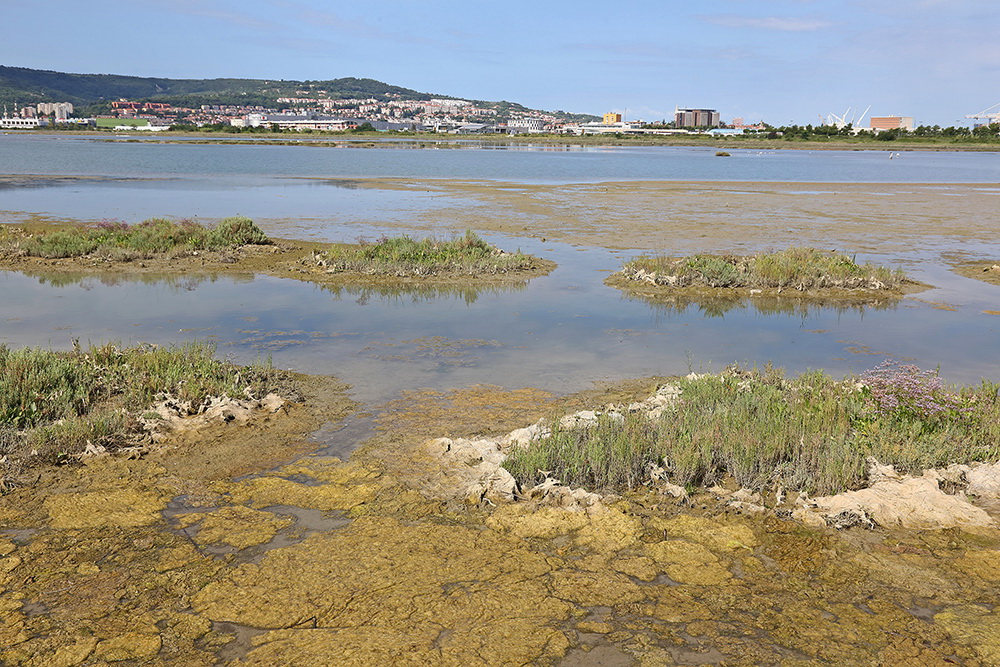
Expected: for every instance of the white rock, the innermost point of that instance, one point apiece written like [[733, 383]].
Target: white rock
[[581, 419], [672, 489], [912, 502], [879, 473], [984, 480], [272, 403]]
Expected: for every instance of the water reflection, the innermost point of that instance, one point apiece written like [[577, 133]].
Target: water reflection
[[800, 306], [88, 281]]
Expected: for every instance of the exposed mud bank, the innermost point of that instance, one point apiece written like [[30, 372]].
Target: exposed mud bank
[[166, 560], [986, 271], [691, 217]]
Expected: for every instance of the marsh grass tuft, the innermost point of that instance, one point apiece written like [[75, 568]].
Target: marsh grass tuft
[[812, 433], [793, 268], [52, 404], [403, 256], [118, 241]]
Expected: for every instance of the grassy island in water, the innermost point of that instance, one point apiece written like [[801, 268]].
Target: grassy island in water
[[114, 240], [793, 268], [403, 256]]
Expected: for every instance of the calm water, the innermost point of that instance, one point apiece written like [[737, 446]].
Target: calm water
[[560, 332], [20, 154]]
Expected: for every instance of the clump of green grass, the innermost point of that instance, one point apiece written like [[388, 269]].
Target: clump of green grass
[[122, 242], [794, 268], [812, 433], [403, 256], [52, 404]]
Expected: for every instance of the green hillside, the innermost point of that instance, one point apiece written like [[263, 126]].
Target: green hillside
[[91, 93], [22, 86]]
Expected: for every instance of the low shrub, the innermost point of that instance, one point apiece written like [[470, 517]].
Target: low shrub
[[812, 433], [404, 256], [236, 231], [119, 241]]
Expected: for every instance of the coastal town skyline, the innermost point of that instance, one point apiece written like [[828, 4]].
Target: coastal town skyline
[[784, 61]]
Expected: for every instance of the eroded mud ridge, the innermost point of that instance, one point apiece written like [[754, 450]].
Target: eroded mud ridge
[[379, 560]]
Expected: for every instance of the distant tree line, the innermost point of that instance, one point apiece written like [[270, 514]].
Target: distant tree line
[[983, 133]]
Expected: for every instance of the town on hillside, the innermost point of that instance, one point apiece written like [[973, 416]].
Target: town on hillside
[[454, 116]]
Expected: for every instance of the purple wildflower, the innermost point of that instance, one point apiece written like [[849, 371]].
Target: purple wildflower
[[905, 390], [112, 225]]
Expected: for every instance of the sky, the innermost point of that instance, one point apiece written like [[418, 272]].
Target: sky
[[781, 61]]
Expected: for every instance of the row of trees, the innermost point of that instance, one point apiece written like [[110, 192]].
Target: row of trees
[[989, 132]]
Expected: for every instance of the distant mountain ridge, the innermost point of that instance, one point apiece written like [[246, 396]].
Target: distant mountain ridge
[[21, 86]]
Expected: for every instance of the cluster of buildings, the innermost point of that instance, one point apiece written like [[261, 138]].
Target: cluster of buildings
[[437, 115], [686, 121], [433, 115], [42, 113], [308, 113]]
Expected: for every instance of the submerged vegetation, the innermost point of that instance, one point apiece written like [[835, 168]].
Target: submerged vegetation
[[402, 256], [812, 433], [115, 240], [54, 404], [794, 268]]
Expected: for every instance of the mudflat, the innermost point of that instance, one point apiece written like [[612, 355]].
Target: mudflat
[[715, 216]]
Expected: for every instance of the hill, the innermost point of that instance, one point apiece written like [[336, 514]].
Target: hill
[[20, 86]]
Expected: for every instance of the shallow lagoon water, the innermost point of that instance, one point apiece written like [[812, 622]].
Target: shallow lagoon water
[[560, 332], [88, 156]]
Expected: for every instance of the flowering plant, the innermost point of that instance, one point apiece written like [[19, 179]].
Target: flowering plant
[[903, 390]]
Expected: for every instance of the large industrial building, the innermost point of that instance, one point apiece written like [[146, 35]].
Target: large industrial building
[[696, 118], [879, 123]]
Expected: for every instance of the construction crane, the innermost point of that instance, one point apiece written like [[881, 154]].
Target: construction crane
[[841, 122], [986, 114]]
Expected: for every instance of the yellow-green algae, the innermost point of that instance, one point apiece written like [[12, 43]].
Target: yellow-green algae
[[110, 507], [411, 581], [974, 625], [339, 486], [237, 526], [447, 594]]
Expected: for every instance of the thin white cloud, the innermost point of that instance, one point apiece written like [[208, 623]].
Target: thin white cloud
[[782, 24], [218, 12]]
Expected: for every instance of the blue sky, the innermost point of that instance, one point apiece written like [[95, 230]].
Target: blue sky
[[782, 61]]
